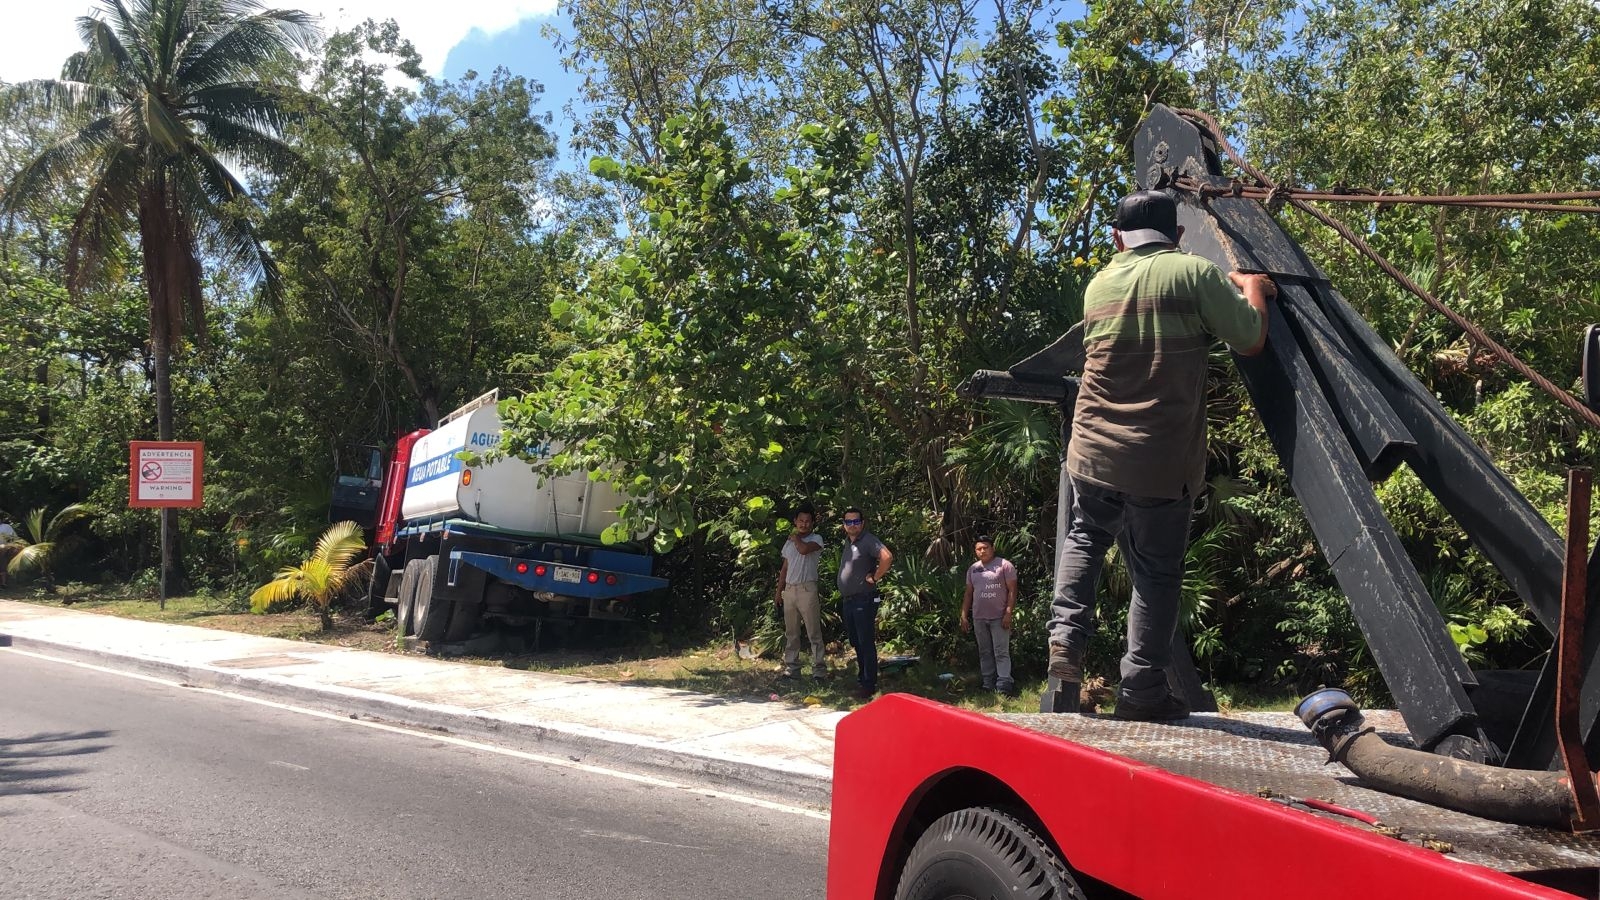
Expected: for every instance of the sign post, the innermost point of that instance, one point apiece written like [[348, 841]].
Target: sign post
[[164, 475]]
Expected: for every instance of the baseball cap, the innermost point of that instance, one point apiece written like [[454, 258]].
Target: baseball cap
[[1147, 217]]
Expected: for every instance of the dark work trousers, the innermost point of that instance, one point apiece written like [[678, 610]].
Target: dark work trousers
[[1153, 535], [861, 626]]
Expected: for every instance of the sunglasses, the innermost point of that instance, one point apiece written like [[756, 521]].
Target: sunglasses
[[852, 521]]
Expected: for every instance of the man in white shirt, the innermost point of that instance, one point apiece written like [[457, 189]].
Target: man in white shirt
[[797, 595]]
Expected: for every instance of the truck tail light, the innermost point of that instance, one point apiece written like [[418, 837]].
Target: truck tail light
[[611, 579], [593, 577], [522, 568], [540, 569]]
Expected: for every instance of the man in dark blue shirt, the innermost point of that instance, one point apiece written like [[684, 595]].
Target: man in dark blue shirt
[[863, 561]]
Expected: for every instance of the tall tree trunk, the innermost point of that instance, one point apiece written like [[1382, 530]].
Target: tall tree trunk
[[162, 352], [172, 278]]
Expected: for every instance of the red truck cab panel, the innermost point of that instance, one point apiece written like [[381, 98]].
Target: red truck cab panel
[[394, 487]]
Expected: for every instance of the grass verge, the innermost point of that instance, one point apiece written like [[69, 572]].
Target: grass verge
[[714, 668]]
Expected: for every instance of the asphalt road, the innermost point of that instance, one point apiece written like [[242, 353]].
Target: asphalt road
[[112, 786]]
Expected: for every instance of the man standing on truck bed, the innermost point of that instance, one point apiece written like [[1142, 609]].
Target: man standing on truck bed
[[863, 561], [1137, 456]]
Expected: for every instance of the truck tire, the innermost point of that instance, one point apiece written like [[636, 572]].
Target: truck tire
[[431, 608], [405, 609], [982, 852], [378, 588]]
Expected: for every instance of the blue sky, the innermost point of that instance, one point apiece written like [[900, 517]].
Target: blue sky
[[525, 51], [40, 34], [452, 38]]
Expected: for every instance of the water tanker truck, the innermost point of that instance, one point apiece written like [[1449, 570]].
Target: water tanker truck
[[463, 548]]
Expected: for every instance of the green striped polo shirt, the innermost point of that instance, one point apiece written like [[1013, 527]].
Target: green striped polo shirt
[[1140, 423]]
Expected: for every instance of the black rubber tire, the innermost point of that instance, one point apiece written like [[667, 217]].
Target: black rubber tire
[[431, 608], [405, 609], [979, 853]]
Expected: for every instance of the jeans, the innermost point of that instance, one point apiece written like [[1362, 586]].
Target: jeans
[[1153, 535], [861, 626], [994, 654]]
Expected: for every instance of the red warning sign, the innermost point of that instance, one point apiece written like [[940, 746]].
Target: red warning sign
[[166, 473]]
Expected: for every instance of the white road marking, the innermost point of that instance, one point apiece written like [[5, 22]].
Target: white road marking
[[559, 762], [288, 765]]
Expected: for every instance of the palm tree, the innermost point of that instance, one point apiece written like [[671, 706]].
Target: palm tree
[[34, 549], [322, 577], [163, 97]]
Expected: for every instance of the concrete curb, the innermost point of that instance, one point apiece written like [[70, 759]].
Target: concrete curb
[[578, 743]]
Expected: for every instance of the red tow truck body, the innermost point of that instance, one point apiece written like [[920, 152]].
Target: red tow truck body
[[1170, 810]]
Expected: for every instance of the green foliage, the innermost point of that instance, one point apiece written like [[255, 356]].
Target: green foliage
[[697, 363], [37, 545], [151, 121], [810, 221], [322, 577]]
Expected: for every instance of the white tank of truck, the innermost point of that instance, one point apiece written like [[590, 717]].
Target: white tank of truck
[[508, 493]]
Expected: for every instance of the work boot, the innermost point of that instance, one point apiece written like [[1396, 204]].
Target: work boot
[[1169, 708], [1065, 664]]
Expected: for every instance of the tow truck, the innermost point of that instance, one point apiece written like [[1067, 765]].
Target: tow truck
[[1480, 785]]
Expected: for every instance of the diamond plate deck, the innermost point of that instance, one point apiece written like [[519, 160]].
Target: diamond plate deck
[[1252, 752]]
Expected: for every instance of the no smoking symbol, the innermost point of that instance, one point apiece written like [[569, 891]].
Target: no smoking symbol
[[150, 471]]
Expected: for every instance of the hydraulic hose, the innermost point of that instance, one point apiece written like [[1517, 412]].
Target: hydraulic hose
[[1519, 796]]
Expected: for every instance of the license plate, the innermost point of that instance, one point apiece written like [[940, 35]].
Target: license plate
[[571, 576]]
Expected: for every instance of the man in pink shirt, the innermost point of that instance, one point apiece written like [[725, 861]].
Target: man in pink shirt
[[990, 596]]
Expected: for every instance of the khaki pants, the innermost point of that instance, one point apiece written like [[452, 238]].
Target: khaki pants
[[800, 604]]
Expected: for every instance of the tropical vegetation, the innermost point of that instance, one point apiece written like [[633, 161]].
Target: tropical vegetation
[[330, 571], [752, 271]]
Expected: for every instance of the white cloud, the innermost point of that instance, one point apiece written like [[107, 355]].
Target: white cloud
[[40, 34]]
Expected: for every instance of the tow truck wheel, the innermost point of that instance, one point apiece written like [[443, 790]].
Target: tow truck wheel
[[432, 611], [405, 609], [982, 852]]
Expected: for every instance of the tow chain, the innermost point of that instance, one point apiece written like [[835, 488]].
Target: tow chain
[[1270, 193]]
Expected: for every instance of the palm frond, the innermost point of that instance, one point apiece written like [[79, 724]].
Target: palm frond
[[55, 96], [31, 556], [54, 167], [213, 190], [102, 224], [341, 543], [106, 55], [68, 515], [245, 142], [284, 587], [168, 134], [360, 573], [167, 34], [33, 525], [246, 46], [241, 104]]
